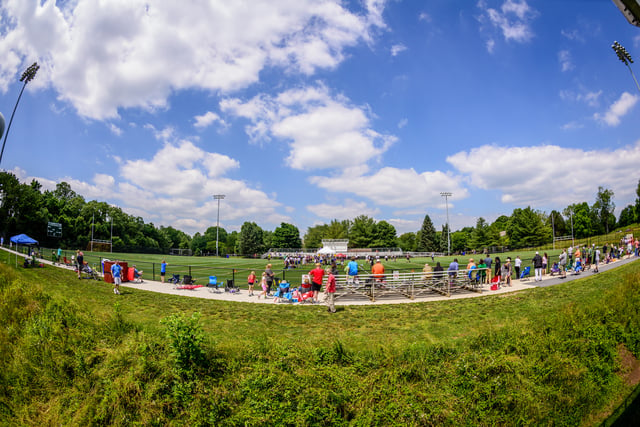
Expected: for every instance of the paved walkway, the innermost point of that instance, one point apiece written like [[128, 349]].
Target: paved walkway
[[243, 296]]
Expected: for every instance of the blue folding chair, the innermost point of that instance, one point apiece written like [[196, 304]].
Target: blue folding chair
[[526, 274], [213, 284]]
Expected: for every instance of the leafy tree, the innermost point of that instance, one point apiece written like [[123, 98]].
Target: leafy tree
[[385, 235], [231, 243], [525, 229], [496, 234], [638, 202], [210, 234], [427, 241], [407, 242], [362, 232], [337, 229], [460, 240], [603, 209], [627, 216], [313, 237], [579, 218], [286, 236], [250, 239], [267, 239], [198, 244]]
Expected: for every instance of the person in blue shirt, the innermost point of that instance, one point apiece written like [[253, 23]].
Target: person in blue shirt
[[453, 269], [116, 272], [352, 270], [163, 270]]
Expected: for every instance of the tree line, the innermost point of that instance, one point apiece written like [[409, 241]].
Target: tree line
[[26, 208]]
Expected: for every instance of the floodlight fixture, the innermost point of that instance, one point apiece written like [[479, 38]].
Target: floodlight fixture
[[625, 58], [28, 75]]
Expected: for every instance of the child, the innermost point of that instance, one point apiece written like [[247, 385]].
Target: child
[[251, 280], [263, 283], [330, 290]]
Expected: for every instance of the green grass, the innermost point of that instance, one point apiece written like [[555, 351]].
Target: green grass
[[74, 353]]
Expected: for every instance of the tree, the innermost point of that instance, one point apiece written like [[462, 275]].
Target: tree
[[384, 235], [525, 229], [638, 202], [362, 232], [444, 239], [603, 209], [460, 239], [337, 229], [407, 242], [578, 216], [480, 235], [286, 236], [558, 224], [250, 239], [497, 232], [627, 216], [313, 237], [427, 241]]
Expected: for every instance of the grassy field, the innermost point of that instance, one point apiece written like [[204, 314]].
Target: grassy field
[[75, 354], [238, 268]]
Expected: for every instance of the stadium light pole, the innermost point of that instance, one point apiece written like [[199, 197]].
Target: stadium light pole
[[624, 56], [27, 76], [446, 196], [218, 197]]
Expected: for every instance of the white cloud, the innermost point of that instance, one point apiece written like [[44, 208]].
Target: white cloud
[[424, 17], [103, 56], [394, 187], [323, 132], [549, 175], [618, 109], [592, 99], [397, 48], [572, 126], [513, 20], [402, 123], [564, 57], [349, 209], [115, 129], [207, 119]]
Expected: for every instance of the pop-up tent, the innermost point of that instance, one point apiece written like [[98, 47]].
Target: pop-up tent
[[326, 251], [22, 239]]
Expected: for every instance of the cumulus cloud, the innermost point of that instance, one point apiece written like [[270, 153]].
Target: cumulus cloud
[[207, 119], [103, 56], [549, 175], [617, 110], [394, 187], [513, 20], [349, 209], [592, 99], [322, 131], [397, 48], [564, 57]]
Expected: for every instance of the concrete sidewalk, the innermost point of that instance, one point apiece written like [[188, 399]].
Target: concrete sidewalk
[[243, 295]]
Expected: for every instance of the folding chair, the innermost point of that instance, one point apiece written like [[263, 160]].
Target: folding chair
[[526, 274], [213, 284]]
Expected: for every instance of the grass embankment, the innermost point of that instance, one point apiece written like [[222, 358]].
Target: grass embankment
[[74, 353]]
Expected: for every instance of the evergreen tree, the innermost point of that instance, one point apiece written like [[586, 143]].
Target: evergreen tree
[[444, 239], [428, 241], [526, 229]]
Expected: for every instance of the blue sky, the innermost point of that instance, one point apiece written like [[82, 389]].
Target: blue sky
[[305, 111]]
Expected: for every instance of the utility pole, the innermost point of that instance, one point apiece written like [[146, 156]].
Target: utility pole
[[218, 197]]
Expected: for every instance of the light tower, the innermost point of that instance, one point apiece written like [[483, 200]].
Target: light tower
[[218, 197], [446, 196], [624, 56]]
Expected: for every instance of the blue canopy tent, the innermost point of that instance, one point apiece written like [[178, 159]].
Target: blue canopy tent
[[22, 239]]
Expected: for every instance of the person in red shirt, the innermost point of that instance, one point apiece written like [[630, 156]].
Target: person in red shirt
[[251, 280], [330, 290], [316, 280], [377, 271]]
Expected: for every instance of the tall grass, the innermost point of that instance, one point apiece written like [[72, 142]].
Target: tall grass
[[73, 353]]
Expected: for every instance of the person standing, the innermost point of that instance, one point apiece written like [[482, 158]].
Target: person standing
[[596, 258], [487, 262], [79, 262], [517, 264], [269, 276], [506, 272], [251, 280], [352, 271], [496, 268], [116, 271], [163, 270], [545, 262], [537, 265], [59, 255], [316, 281], [330, 290], [563, 264]]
